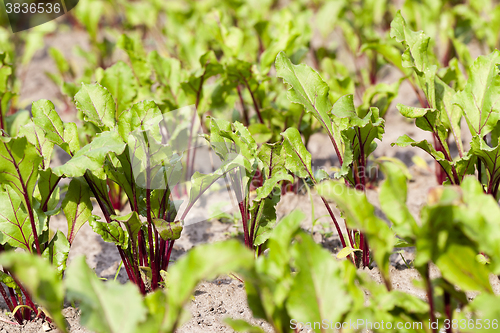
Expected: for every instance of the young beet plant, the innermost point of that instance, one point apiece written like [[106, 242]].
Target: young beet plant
[[478, 102], [457, 223], [136, 149], [143, 151], [351, 131], [29, 196], [262, 168]]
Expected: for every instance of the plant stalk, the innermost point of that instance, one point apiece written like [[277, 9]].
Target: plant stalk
[[429, 296], [447, 309]]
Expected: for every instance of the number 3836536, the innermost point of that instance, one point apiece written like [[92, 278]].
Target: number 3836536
[[33, 8]]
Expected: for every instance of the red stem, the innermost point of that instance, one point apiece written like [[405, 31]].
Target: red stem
[[126, 263], [26, 295], [255, 104], [154, 282], [447, 310], [169, 252], [142, 248], [161, 257], [243, 106], [429, 297], [244, 220]]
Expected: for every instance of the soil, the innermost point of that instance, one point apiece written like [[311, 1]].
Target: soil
[[225, 297]]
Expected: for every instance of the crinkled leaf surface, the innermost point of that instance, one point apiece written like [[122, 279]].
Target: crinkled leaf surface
[[92, 156], [168, 230], [110, 232], [36, 136], [98, 105], [132, 223], [140, 116], [62, 134]]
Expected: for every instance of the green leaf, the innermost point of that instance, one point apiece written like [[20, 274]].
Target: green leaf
[[89, 14], [9, 281], [307, 89], [490, 158], [168, 230], [19, 166], [389, 52], [270, 184], [40, 279], [478, 220], [5, 72], [298, 159], [360, 214], [14, 122], [121, 83], [405, 140], [105, 307], [92, 156], [61, 62], [132, 223], [265, 219], [346, 251], [57, 252], [459, 266], [168, 70], [97, 104], [154, 165], [393, 196], [235, 169], [210, 66], [119, 169], [487, 311], [344, 107], [14, 221], [137, 57], [100, 189], [362, 133], [479, 100], [273, 157], [202, 262], [47, 192], [417, 44], [260, 133], [77, 207], [36, 136], [240, 325], [287, 228], [413, 112], [110, 232], [319, 277]]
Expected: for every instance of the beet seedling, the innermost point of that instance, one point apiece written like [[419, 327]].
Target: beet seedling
[[351, 132], [477, 103]]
